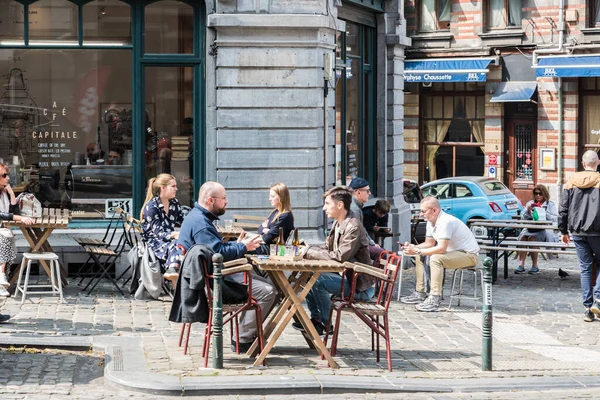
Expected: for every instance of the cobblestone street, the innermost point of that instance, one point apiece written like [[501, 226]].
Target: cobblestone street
[[538, 332]]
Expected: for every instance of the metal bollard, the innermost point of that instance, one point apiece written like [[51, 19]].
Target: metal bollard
[[487, 318], [217, 320]]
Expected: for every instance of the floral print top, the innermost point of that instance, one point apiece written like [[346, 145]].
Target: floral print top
[[158, 225]]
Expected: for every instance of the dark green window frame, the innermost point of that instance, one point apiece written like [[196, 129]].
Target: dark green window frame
[[367, 88], [140, 60]]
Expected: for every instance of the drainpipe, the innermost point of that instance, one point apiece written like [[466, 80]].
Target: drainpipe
[[561, 35], [559, 49], [559, 156], [561, 40]]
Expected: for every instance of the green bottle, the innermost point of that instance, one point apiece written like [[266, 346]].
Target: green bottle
[[534, 214]]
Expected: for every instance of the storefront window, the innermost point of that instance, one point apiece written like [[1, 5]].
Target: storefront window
[[169, 143], [452, 130], [53, 20], [589, 117], [107, 22], [11, 20], [169, 27], [354, 105], [65, 124]]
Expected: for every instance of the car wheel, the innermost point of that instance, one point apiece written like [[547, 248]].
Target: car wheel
[[479, 231]]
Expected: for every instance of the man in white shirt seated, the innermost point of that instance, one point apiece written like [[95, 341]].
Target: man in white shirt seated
[[449, 243]]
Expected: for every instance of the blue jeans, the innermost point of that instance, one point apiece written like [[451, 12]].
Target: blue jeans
[[588, 249], [319, 297]]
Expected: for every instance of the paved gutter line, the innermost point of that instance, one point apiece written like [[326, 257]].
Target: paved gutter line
[[126, 367]]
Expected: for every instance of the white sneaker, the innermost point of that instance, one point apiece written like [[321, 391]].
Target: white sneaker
[[431, 304], [3, 280], [414, 298], [4, 292]]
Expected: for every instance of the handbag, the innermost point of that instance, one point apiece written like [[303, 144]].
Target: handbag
[[29, 206]]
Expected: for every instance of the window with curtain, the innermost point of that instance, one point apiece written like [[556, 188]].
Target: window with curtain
[[589, 118], [504, 13], [452, 135], [435, 15]]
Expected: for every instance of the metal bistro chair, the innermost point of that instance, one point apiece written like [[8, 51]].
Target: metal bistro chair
[[87, 269], [231, 312], [105, 257], [368, 311]]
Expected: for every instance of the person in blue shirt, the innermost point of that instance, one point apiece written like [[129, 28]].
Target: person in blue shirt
[[198, 228], [160, 214]]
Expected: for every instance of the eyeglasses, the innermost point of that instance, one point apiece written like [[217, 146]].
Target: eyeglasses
[[425, 210], [537, 193], [4, 175], [218, 197]]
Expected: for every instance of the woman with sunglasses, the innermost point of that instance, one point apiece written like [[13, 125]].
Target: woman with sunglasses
[[9, 211], [541, 200]]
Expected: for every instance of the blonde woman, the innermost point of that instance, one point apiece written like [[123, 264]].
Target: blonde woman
[[160, 214], [9, 211], [280, 217]]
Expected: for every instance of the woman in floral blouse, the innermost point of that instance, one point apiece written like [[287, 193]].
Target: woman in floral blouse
[[160, 214]]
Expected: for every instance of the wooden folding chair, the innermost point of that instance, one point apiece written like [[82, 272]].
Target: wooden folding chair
[[87, 269], [369, 312], [105, 257]]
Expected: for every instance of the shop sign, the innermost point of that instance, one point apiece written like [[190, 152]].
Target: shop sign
[[111, 204]]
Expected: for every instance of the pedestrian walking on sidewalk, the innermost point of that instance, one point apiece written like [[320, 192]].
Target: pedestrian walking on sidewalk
[[579, 214]]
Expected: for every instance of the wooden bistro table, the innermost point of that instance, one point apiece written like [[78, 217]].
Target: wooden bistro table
[[229, 233], [304, 275], [37, 235], [495, 239]]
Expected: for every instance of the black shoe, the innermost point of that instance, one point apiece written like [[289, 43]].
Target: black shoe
[[319, 326], [4, 317], [588, 316], [244, 347]]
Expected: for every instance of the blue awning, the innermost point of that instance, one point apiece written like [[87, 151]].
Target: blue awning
[[508, 92], [568, 66], [447, 69]]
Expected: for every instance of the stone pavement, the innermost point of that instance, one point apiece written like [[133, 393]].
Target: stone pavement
[[540, 343]]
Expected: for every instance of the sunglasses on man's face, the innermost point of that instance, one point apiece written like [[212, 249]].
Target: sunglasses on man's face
[[4, 175]]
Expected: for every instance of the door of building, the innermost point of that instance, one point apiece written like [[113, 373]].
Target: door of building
[[520, 157]]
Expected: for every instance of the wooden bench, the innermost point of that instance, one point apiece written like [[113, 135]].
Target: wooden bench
[[247, 222], [506, 248]]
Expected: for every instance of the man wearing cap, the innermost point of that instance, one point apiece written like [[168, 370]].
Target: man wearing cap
[[360, 196]]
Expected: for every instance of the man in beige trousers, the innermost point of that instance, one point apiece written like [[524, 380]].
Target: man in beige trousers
[[449, 243]]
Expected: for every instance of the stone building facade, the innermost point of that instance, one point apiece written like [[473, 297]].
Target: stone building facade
[[100, 96]]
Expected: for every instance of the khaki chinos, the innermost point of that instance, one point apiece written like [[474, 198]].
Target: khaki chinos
[[437, 263]]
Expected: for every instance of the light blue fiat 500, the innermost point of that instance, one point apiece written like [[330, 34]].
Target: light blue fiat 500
[[474, 197]]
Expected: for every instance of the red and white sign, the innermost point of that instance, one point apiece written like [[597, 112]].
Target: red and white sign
[[492, 159]]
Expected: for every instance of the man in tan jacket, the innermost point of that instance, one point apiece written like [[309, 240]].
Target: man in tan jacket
[[579, 214], [347, 241]]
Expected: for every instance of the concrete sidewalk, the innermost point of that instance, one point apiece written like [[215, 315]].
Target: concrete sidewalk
[[540, 343]]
